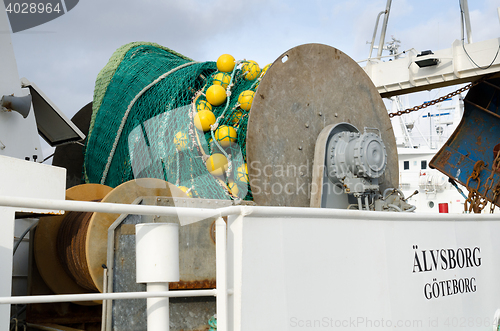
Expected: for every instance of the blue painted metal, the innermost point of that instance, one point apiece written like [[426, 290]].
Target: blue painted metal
[[447, 99], [474, 140], [436, 115]]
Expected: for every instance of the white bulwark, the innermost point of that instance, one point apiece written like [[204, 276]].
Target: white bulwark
[[362, 270], [20, 178]]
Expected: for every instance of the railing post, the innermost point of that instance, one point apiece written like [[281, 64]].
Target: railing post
[[221, 274]]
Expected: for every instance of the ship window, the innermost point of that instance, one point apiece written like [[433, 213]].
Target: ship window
[[423, 164], [406, 165]]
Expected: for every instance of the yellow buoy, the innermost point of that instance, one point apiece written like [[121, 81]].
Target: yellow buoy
[[185, 190], [225, 63], [180, 141], [222, 79], [236, 117], [225, 135], [265, 70], [216, 95], [203, 119], [233, 188], [242, 173], [203, 105], [251, 70], [217, 164], [245, 99]]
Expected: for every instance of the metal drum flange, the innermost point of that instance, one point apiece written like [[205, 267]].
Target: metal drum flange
[[306, 89], [94, 242], [46, 256], [97, 233]]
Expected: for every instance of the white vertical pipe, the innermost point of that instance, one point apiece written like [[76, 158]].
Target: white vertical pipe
[[221, 274], [375, 34], [105, 303], [384, 28], [157, 250], [158, 309], [468, 29]]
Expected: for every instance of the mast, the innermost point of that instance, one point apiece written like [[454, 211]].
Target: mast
[[384, 28]]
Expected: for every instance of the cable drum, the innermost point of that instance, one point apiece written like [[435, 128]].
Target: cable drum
[[71, 240], [59, 258], [71, 249]]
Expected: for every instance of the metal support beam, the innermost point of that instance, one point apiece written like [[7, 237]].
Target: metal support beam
[[462, 63]]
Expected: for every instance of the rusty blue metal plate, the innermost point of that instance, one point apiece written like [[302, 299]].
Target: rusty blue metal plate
[[475, 140]]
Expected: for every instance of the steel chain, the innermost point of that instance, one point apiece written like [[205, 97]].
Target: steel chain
[[489, 182], [474, 200], [438, 100], [496, 193]]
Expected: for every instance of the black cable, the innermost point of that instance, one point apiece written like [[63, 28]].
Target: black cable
[[22, 236], [479, 67], [462, 14], [452, 182], [48, 157]]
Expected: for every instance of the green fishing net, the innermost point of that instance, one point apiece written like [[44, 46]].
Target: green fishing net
[[158, 114]]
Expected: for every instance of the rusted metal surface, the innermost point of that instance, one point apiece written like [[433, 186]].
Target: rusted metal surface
[[306, 89], [201, 284], [474, 140], [443, 160]]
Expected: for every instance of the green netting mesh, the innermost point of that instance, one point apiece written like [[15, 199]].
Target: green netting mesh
[[150, 107]]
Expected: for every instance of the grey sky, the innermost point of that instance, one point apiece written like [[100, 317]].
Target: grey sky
[[64, 56]]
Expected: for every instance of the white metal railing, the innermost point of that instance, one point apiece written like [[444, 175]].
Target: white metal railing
[[104, 296], [204, 213], [220, 292]]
